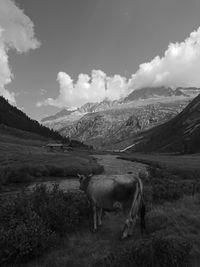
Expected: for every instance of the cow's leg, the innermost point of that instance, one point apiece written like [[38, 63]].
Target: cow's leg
[[133, 222], [99, 216], [126, 209], [134, 216], [127, 226], [94, 217], [142, 217]]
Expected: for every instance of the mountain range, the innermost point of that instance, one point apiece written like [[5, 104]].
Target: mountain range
[[113, 124]]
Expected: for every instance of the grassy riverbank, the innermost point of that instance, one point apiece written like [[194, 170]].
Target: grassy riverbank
[[171, 238], [21, 164], [52, 228], [183, 164]]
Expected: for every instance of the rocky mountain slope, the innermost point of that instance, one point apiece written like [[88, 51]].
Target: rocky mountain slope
[[112, 124], [148, 92], [180, 134], [106, 129]]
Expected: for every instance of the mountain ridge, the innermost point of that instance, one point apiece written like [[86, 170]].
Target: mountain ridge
[[180, 134], [106, 125], [143, 93]]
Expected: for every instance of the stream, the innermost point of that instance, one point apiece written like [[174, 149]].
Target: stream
[[111, 165]]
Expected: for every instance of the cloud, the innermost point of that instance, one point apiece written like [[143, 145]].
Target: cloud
[[180, 66], [94, 88], [16, 32]]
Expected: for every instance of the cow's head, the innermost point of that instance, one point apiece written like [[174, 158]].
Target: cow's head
[[84, 180]]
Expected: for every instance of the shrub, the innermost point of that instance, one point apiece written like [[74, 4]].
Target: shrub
[[170, 251], [23, 234], [167, 185], [31, 222], [165, 189], [60, 211], [157, 220], [157, 251]]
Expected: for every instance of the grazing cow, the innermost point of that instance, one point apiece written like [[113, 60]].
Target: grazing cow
[[113, 192]]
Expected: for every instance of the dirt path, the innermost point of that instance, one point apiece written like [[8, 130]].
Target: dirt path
[[113, 165]]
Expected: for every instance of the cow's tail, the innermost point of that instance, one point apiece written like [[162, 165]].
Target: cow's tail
[[142, 216], [142, 207], [142, 210]]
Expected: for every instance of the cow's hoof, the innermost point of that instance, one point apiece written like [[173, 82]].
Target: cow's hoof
[[93, 230], [122, 238]]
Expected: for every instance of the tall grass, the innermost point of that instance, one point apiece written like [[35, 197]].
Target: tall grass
[[40, 218], [32, 222], [164, 185], [29, 173]]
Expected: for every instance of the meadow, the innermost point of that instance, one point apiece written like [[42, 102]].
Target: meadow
[[53, 228], [186, 165], [25, 161]]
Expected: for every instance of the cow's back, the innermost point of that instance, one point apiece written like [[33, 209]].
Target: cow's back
[[105, 191]]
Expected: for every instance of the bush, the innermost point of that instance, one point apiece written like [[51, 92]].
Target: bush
[[23, 234], [171, 251], [156, 172], [157, 251], [60, 211], [166, 189], [168, 186], [31, 222], [157, 220]]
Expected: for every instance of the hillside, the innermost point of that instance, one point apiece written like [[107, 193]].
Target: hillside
[[180, 134], [113, 124], [60, 114], [107, 129], [14, 118], [148, 92]]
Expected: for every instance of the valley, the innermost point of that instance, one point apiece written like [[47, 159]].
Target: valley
[[40, 190], [99, 133], [113, 125]]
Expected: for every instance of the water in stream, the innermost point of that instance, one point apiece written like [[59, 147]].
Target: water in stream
[[111, 165]]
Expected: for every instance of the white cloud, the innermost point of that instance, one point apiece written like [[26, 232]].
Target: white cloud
[[94, 88], [180, 66], [16, 32]]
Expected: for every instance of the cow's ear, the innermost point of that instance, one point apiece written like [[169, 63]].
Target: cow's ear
[[79, 175]]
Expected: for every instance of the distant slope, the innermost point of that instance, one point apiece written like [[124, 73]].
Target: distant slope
[[113, 124], [143, 93], [9, 135], [115, 128], [15, 118], [60, 114], [180, 134], [149, 92]]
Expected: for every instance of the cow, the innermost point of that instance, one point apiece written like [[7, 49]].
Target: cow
[[114, 192]]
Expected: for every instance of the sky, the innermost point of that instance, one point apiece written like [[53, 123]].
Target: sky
[[64, 53]]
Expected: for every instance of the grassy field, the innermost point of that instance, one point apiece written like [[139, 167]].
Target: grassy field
[[172, 220], [28, 161], [171, 238], [184, 163], [53, 228]]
